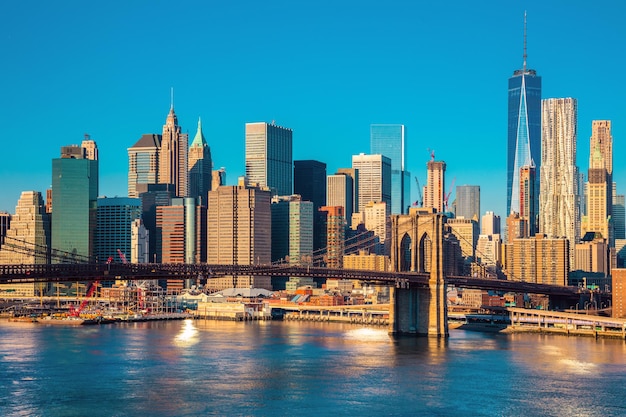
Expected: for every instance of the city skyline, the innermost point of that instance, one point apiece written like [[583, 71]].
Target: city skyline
[[88, 75]]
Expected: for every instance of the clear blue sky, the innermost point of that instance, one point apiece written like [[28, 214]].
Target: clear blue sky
[[326, 69]]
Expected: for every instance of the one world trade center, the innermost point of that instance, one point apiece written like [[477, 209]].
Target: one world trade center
[[524, 135]]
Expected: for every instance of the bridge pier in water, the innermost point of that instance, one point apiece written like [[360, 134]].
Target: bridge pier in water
[[418, 246], [418, 311]]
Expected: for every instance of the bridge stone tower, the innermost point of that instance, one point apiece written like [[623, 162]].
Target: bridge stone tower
[[417, 245]]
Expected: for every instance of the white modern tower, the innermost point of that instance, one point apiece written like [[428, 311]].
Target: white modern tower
[[559, 214]]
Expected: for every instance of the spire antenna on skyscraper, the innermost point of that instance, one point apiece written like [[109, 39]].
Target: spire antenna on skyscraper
[[172, 96], [525, 55]]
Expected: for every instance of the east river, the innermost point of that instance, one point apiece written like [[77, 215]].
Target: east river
[[198, 368]]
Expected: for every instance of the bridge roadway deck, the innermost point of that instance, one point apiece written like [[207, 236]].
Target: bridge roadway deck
[[91, 272]]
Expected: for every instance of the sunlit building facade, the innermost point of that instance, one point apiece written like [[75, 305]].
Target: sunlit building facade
[[559, 210], [173, 154], [374, 179]]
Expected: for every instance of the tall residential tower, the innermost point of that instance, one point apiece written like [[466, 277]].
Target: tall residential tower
[[559, 214]]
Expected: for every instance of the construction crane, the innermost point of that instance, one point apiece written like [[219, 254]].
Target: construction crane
[[446, 197], [122, 256], [432, 154], [83, 304], [420, 200]]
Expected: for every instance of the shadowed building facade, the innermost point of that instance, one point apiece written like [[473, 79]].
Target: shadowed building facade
[[200, 167], [269, 160], [309, 181], [143, 163]]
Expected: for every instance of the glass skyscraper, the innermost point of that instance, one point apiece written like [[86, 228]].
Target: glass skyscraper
[[114, 222], [389, 140], [524, 131], [74, 195]]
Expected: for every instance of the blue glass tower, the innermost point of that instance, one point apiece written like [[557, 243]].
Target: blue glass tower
[[389, 140], [524, 132]]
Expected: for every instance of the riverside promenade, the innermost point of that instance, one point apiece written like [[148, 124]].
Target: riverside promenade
[[575, 324]]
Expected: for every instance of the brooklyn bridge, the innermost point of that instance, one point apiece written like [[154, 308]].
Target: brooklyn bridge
[[418, 280]]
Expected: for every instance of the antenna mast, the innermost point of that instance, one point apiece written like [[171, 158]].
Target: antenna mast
[[525, 55], [172, 97]]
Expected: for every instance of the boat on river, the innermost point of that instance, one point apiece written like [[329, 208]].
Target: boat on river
[[64, 321]]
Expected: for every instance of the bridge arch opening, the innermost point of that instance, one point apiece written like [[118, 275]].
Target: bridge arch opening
[[424, 253], [405, 253]]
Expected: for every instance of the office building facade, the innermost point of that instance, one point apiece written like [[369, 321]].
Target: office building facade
[[143, 163], [114, 220], [468, 202], [75, 194], [240, 233], [340, 192], [390, 140], [374, 173], [527, 199], [27, 241], [269, 157]]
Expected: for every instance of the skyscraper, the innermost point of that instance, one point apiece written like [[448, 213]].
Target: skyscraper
[[114, 221], [27, 240], [173, 155], [618, 214], [527, 199], [434, 194], [75, 191], [239, 233], [599, 193], [309, 181], [269, 160], [91, 150], [200, 167], [28, 235], [389, 140], [374, 180], [490, 224], [340, 192], [524, 130], [335, 236], [468, 202], [559, 215], [143, 163]]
